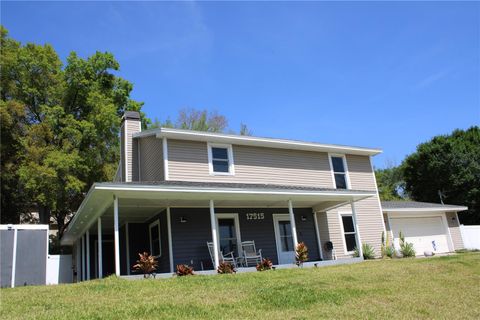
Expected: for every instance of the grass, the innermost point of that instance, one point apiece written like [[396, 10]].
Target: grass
[[438, 287]]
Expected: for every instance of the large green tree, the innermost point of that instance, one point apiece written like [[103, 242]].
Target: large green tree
[[391, 184], [447, 167], [60, 126]]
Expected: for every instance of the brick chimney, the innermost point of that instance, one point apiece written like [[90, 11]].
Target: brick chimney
[[130, 124]]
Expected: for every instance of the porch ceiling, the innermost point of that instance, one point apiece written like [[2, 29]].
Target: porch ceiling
[[140, 202]]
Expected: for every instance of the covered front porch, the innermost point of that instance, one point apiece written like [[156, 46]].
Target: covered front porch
[[174, 222]]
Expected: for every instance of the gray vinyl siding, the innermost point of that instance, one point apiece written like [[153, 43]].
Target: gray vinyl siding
[[163, 260], [150, 159], [455, 232], [188, 161], [190, 238]]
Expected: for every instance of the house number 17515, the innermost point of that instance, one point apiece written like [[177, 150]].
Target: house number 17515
[[255, 216]]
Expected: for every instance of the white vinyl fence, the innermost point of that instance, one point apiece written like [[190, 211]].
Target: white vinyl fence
[[59, 269], [471, 236]]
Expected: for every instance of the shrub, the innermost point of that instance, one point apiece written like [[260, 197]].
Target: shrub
[[146, 264], [225, 267], [384, 245], [264, 265], [301, 253], [368, 252], [390, 251], [406, 248], [184, 270]]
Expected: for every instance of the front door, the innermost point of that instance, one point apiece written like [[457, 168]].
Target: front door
[[228, 233], [284, 239]]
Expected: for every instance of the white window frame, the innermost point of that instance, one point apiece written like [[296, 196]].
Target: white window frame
[[340, 215], [231, 167], [233, 216], [157, 223], [345, 167]]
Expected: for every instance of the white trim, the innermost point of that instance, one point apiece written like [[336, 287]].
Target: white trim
[[317, 233], [170, 244], [256, 141], [213, 224], [231, 165], [78, 257], [276, 217], [23, 227], [14, 257], [116, 239], [126, 151], [150, 240], [99, 255], [378, 196], [83, 257], [293, 224], [87, 236], [127, 240], [340, 215], [237, 227], [438, 209], [345, 167], [117, 187], [165, 158]]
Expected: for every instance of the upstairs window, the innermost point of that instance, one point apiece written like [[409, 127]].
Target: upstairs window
[[349, 232], [220, 159], [339, 172]]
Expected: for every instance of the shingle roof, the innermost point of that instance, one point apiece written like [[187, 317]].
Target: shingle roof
[[416, 205], [259, 186]]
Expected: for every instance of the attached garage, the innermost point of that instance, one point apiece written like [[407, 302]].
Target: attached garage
[[428, 226], [426, 233]]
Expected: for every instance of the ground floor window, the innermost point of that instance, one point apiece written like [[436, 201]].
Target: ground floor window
[[155, 245], [349, 232]]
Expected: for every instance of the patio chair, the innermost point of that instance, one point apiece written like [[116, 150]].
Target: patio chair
[[250, 253], [229, 257]]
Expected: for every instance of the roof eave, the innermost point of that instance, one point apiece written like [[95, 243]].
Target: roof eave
[[423, 209], [255, 141]]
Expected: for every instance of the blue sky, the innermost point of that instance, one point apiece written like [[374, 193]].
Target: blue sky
[[388, 75]]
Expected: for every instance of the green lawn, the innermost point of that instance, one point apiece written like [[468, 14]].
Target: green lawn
[[438, 287]]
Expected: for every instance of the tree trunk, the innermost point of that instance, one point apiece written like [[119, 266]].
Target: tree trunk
[[44, 215]]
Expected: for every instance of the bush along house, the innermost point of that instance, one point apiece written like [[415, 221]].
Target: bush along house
[[200, 198]]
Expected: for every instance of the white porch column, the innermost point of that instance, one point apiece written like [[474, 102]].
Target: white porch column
[[357, 230], [170, 245], [83, 256], [87, 235], [99, 250], [213, 223], [115, 236], [292, 223]]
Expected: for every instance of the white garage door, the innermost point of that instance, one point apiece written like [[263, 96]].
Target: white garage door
[[426, 233]]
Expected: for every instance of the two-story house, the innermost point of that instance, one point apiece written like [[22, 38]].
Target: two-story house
[[177, 190]]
